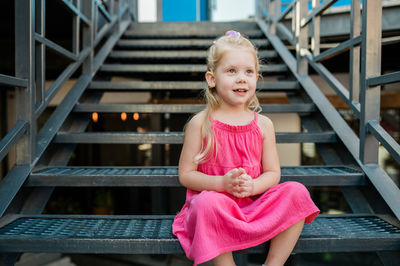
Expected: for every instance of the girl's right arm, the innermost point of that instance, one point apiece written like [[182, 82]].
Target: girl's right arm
[[192, 179]]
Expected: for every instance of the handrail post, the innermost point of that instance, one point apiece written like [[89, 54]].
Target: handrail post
[[355, 23], [370, 66], [88, 36], [301, 37], [272, 15], [315, 40], [25, 68]]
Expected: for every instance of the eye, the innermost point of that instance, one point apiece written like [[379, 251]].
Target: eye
[[231, 70], [250, 71]]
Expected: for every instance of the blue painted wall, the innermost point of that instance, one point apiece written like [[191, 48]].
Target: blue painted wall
[[183, 10], [338, 3]]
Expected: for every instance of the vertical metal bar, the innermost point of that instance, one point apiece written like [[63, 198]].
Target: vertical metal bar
[[294, 19], [117, 10], [315, 40], [95, 20], [76, 28], [40, 50], [198, 10], [25, 68], [159, 10], [88, 36], [370, 66], [301, 37], [272, 15], [355, 24]]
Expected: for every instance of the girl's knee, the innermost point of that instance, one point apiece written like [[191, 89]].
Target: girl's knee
[[207, 201]]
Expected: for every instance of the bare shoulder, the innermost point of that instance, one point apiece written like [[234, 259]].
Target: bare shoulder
[[196, 121], [266, 125]]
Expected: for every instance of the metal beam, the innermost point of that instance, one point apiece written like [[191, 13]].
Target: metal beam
[[12, 138], [387, 141], [316, 12], [77, 12], [383, 79], [342, 47], [13, 81]]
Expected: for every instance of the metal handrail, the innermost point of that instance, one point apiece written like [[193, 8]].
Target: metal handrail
[[31, 97], [363, 98]]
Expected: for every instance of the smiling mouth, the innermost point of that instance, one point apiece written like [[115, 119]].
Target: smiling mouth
[[240, 90]]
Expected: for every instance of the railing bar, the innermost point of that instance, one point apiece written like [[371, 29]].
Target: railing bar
[[333, 83], [13, 81], [342, 129], [122, 12], [287, 10], [53, 124], [107, 47], [77, 12], [12, 137], [76, 32], [316, 12], [384, 79], [61, 79], [104, 30], [387, 141], [55, 47], [286, 33], [103, 10], [342, 47], [11, 184], [385, 186]]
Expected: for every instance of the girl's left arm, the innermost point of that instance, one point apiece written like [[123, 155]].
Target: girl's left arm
[[271, 174]]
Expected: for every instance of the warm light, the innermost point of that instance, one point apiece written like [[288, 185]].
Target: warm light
[[136, 116], [123, 116], [95, 117]]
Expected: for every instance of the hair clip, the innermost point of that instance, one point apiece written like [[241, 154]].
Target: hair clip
[[233, 33]]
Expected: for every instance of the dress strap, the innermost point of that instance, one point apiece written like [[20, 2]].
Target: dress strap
[[255, 117]]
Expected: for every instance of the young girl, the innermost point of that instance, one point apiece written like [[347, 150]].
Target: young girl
[[230, 167]]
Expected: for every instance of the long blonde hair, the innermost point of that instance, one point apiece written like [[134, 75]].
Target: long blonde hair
[[230, 40]]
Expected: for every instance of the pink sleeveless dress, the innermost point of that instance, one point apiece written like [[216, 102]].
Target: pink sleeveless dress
[[211, 223]]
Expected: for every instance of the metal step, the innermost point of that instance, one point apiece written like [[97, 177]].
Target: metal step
[[183, 108], [176, 137], [176, 68], [185, 54], [153, 234], [167, 176], [181, 85], [177, 43], [146, 34]]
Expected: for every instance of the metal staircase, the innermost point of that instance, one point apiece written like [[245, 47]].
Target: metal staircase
[[170, 57]]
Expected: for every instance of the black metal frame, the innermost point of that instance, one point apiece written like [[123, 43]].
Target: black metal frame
[[363, 97], [31, 96]]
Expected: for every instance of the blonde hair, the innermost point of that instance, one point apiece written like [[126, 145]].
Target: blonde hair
[[230, 40]]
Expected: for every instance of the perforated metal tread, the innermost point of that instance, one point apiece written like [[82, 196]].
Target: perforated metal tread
[[152, 234], [177, 137], [168, 176], [184, 108], [182, 85]]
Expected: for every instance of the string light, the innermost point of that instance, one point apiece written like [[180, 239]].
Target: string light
[[95, 117], [136, 116], [123, 116]]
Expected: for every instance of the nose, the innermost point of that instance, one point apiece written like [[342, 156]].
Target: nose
[[241, 77]]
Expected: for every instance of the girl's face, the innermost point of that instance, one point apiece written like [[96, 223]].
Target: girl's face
[[235, 77]]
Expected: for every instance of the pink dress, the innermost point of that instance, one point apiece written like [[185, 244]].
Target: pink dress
[[211, 223]]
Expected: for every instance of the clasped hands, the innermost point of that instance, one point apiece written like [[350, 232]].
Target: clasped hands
[[238, 183]]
